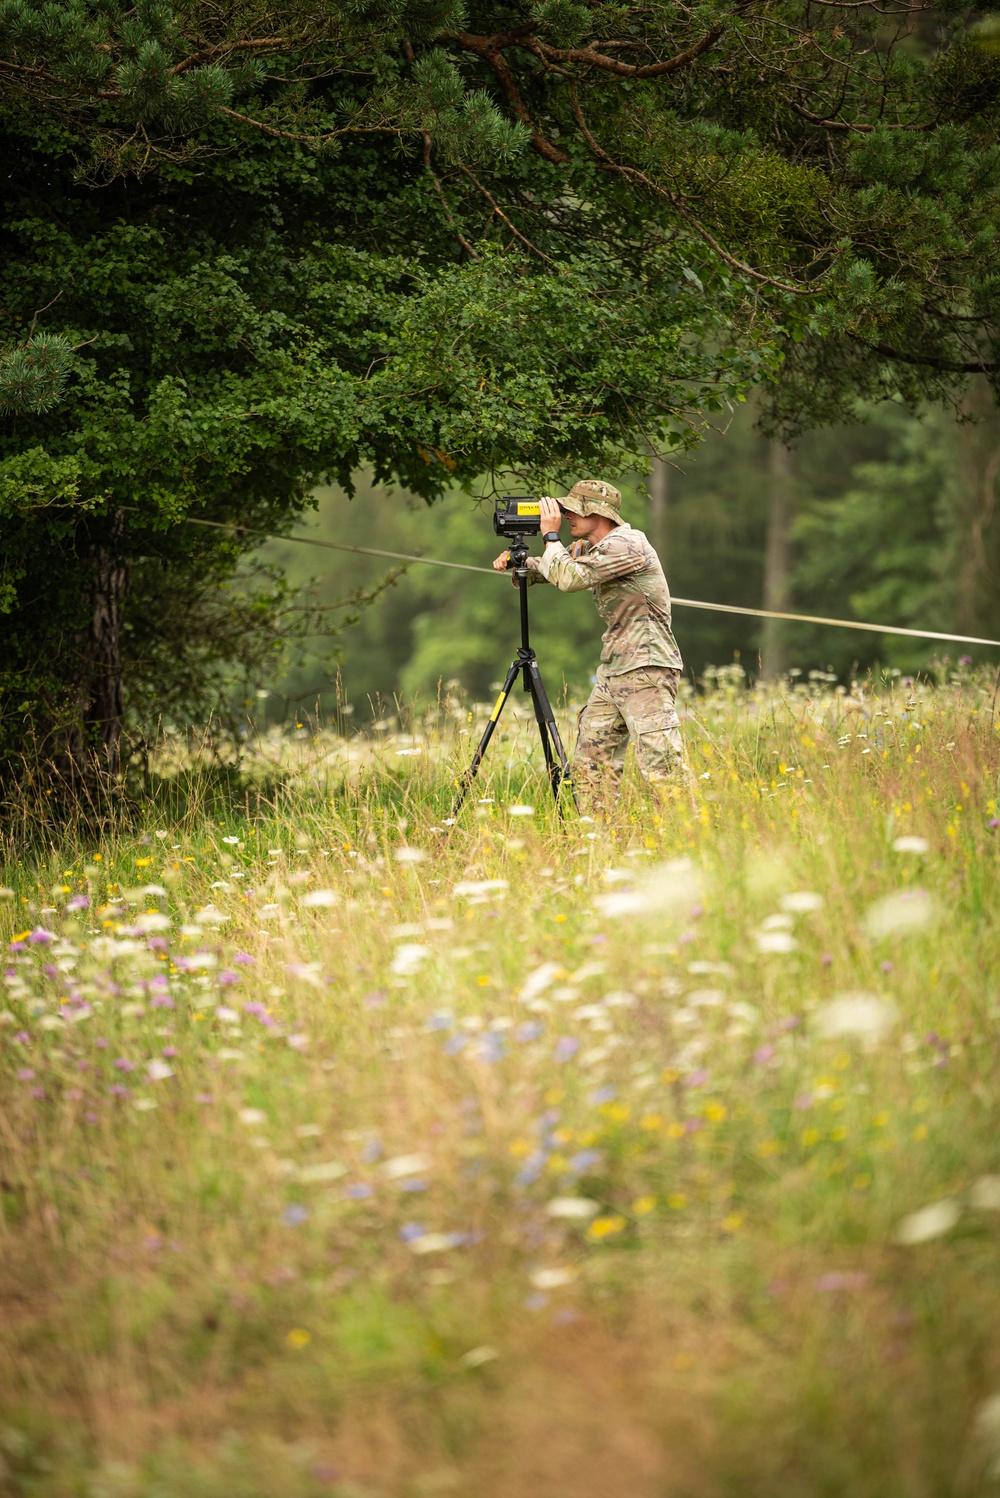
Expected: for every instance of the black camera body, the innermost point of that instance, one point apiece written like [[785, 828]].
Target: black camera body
[[516, 515]]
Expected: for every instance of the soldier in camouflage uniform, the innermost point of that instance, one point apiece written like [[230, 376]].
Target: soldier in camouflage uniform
[[635, 692]]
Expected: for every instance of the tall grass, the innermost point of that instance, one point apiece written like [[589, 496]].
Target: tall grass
[[654, 1154]]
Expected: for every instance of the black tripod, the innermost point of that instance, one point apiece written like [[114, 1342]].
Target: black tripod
[[555, 755]]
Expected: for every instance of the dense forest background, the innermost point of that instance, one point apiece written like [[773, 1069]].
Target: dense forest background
[[892, 519]]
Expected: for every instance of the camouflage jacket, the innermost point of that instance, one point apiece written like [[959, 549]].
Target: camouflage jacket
[[630, 592]]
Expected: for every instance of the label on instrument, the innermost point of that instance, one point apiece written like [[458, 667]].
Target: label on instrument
[[528, 507], [494, 715]]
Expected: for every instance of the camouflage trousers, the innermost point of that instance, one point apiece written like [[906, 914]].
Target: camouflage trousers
[[638, 705]]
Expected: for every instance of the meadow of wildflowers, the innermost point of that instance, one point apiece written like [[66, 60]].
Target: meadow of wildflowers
[[651, 1153]]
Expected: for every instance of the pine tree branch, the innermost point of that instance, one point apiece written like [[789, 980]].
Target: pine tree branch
[[500, 214], [931, 361], [816, 119], [590, 57], [444, 201], [632, 174], [225, 49], [490, 50]]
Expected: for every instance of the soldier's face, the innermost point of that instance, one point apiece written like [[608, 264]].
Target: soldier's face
[[582, 527]]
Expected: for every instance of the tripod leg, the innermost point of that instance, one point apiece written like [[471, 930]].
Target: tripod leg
[[543, 711], [554, 771], [477, 758]]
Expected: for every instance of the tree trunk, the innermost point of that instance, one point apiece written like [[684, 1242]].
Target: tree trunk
[[87, 758], [659, 506], [777, 560], [975, 522], [106, 705]]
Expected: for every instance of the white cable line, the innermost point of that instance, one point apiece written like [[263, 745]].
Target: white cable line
[[687, 603]]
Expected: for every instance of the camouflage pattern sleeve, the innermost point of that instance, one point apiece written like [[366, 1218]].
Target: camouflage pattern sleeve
[[616, 556]]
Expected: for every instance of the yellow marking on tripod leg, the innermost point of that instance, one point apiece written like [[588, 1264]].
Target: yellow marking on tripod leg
[[494, 715]]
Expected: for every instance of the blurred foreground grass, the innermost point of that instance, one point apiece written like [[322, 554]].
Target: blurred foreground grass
[[654, 1155]]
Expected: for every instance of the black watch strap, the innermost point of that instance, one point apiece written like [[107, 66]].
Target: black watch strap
[[551, 536]]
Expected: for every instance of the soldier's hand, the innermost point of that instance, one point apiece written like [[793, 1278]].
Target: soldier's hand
[[500, 565], [549, 513]]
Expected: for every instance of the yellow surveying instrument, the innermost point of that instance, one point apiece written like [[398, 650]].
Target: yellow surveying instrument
[[515, 518]]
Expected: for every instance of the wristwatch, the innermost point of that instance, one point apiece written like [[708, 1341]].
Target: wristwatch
[[551, 536]]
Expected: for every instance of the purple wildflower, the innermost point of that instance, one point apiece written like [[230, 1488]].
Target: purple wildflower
[[850, 1279], [529, 1031], [566, 1048]]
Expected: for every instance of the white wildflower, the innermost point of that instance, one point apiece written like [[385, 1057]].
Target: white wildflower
[[801, 901], [572, 1207], [620, 998], [478, 890], [316, 1175], [911, 845], [775, 941], [781, 922], [320, 899], [863, 1016], [537, 982], [668, 889], [930, 1222], [408, 958], [477, 1356], [252, 1116], [521, 811], [400, 1166], [552, 1279], [152, 920], [409, 855], [434, 1243], [899, 914], [159, 1071], [210, 916], [706, 998]]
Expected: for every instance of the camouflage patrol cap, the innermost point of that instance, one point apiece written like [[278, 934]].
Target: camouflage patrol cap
[[594, 497]]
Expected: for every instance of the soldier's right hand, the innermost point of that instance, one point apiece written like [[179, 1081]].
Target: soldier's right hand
[[500, 565]]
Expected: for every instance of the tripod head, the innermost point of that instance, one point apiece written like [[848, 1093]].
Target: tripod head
[[518, 555]]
